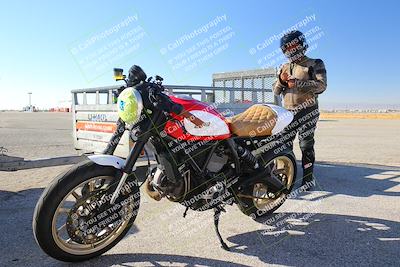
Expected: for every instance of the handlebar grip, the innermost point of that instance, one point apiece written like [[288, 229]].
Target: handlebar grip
[[176, 108], [166, 104]]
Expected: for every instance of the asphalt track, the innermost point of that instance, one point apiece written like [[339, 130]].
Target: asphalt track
[[351, 218]]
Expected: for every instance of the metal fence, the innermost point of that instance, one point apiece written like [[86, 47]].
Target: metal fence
[[256, 85]]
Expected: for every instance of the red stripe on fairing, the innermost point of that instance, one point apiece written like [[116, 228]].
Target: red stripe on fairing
[[176, 129]]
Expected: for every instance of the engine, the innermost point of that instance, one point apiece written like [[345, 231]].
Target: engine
[[217, 161], [175, 179]]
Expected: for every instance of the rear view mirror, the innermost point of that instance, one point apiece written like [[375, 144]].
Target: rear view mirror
[[118, 74]]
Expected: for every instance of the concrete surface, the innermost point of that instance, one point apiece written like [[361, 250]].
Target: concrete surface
[[42, 135], [358, 141], [36, 135], [352, 218]]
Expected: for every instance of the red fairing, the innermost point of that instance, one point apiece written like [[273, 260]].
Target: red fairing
[[176, 129]]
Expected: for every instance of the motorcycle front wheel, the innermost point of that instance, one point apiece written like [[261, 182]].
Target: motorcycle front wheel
[[74, 220]]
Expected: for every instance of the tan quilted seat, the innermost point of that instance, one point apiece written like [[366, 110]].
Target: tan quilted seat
[[258, 120]]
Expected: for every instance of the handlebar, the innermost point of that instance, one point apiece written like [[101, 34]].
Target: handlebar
[[166, 104], [158, 99]]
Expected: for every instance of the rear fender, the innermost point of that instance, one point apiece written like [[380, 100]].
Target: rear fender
[[284, 118], [263, 176], [268, 155]]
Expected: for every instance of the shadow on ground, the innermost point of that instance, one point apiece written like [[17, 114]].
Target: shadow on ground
[[150, 259], [322, 239], [358, 180], [11, 163], [319, 238]]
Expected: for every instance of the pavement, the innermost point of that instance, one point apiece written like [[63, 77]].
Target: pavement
[[351, 218]]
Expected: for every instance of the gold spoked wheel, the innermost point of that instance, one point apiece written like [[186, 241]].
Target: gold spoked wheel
[[82, 226], [281, 167]]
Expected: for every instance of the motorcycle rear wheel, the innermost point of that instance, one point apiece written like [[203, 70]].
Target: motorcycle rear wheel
[[284, 167], [83, 182]]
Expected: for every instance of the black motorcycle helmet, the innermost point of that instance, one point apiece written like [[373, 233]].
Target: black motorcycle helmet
[[291, 39], [136, 75]]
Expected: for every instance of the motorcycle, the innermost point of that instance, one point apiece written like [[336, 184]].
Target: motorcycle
[[205, 161]]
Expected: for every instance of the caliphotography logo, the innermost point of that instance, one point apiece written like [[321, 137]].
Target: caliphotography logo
[[212, 133]]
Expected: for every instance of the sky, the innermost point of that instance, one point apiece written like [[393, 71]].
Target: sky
[[51, 47]]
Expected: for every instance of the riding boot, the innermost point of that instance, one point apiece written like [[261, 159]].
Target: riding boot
[[308, 178], [308, 169]]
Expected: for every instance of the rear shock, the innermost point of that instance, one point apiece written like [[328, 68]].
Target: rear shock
[[247, 157]]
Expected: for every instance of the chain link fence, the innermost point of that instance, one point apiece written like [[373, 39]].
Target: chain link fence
[[256, 85]]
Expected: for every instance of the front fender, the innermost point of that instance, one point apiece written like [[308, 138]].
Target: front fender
[[108, 160]]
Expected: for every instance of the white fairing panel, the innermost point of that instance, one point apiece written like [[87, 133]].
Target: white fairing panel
[[214, 124], [284, 118], [108, 160]]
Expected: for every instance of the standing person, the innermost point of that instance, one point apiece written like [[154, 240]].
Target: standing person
[[300, 81]]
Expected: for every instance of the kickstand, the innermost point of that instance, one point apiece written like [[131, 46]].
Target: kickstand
[[186, 210], [217, 213]]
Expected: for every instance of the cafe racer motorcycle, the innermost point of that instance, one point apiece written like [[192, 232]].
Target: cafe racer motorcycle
[[204, 161]]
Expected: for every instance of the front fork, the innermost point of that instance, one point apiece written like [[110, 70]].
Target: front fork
[[115, 138], [140, 138]]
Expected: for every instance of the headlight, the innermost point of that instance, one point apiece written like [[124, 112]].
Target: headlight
[[130, 105]]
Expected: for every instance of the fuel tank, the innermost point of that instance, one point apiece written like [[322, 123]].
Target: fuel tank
[[216, 127]]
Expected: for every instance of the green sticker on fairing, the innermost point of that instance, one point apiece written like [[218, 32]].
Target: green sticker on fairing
[[128, 106]]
